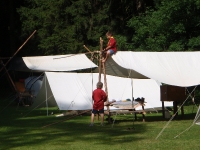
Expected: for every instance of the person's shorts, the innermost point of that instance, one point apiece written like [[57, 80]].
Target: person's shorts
[[111, 51], [101, 111]]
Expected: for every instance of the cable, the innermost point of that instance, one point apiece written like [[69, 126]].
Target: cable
[[172, 117]]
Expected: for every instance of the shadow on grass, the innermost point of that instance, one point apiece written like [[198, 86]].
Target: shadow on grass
[[24, 127], [151, 118], [36, 128]]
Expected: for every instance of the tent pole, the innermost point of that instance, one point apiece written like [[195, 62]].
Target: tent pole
[[100, 63], [106, 90], [19, 49], [46, 93], [100, 54], [132, 98], [102, 66]]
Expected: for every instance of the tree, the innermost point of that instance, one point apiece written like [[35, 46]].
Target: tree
[[63, 27], [171, 25]]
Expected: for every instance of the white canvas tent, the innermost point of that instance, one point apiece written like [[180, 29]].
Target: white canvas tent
[[73, 91], [52, 63], [172, 68]]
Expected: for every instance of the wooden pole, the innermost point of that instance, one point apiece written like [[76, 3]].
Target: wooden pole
[[102, 65], [92, 53], [100, 57], [105, 80], [106, 90], [87, 49], [18, 49]]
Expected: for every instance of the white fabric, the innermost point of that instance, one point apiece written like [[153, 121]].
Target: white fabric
[[68, 91], [73, 91], [173, 68], [59, 62], [114, 69]]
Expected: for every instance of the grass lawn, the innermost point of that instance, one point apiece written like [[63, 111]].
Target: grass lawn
[[23, 128]]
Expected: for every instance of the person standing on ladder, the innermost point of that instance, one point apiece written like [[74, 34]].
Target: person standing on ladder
[[99, 97], [111, 47]]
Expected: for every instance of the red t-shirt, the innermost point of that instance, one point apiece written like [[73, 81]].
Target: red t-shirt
[[99, 97], [112, 43]]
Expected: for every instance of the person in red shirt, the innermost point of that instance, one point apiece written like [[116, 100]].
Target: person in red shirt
[[99, 97], [111, 47]]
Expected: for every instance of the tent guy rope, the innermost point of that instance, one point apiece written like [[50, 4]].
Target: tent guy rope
[[76, 54], [173, 116], [66, 119], [19, 49]]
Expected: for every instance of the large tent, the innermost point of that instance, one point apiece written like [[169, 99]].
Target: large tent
[[73, 91], [172, 68]]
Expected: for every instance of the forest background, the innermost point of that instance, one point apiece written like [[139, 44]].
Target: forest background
[[64, 26]]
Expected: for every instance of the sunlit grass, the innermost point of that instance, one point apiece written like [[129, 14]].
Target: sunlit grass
[[24, 128]]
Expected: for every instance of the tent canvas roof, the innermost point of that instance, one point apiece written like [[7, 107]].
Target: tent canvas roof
[[113, 68], [173, 68], [52, 63]]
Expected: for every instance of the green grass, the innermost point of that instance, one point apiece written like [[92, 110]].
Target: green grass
[[23, 128]]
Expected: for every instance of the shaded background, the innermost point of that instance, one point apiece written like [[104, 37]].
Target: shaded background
[[9, 27]]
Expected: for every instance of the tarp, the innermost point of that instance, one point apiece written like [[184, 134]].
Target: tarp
[[173, 68], [73, 91], [69, 62], [113, 68]]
